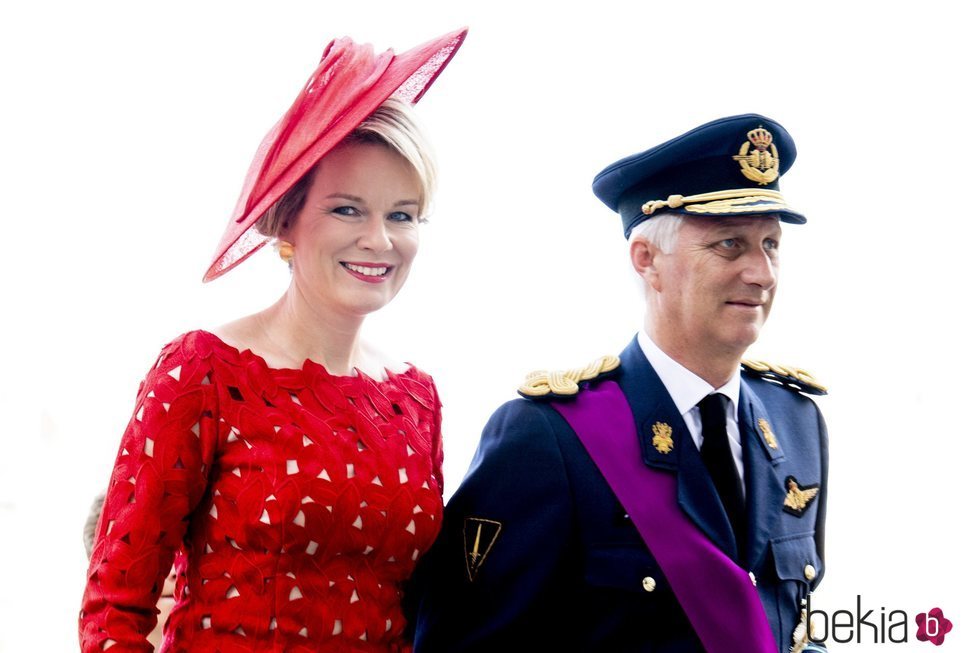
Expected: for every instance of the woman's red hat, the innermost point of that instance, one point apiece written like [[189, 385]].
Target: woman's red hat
[[348, 85]]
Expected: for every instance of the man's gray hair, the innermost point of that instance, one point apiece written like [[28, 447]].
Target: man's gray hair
[[660, 231]]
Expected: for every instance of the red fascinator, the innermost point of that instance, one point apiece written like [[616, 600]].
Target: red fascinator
[[348, 85]]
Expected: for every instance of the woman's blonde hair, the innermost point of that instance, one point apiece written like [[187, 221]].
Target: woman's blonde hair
[[393, 125]]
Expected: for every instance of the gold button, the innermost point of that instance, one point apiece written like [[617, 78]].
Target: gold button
[[752, 578], [649, 584], [809, 572]]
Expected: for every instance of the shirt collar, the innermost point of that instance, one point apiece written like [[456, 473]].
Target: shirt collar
[[685, 387]]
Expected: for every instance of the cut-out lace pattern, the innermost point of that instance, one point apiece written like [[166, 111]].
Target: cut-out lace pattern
[[293, 504]]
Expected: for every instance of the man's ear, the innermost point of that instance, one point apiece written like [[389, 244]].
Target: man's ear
[[645, 258]]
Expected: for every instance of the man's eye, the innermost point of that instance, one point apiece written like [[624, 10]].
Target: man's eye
[[771, 244], [728, 243]]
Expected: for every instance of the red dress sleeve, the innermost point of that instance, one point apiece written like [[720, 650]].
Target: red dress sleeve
[[159, 476], [438, 455]]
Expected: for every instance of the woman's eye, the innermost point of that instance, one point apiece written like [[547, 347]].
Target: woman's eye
[[401, 216], [345, 210]]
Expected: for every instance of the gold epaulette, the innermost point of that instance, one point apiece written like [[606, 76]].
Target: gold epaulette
[[564, 383], [792, 377]]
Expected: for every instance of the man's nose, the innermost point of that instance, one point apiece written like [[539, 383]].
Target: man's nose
[[760, 269]]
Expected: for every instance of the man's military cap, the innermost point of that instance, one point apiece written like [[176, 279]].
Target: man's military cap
[[727, 167]]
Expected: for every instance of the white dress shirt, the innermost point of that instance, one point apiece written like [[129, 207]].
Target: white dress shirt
[[687, 389]]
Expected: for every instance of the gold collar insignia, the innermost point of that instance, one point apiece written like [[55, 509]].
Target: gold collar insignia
[[662, 439], [760, 165], [767, 433]]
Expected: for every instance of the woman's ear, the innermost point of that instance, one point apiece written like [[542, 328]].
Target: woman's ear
[[645, 258]]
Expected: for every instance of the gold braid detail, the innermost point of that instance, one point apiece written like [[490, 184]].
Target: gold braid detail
[[677, 201], [565, 382], [740, 205], [784, 370]]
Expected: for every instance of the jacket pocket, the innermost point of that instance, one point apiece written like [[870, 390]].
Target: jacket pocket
[[796, 559], [797, 567]]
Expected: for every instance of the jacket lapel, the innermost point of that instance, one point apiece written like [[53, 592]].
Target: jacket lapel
[[667, 444], [761, 453]]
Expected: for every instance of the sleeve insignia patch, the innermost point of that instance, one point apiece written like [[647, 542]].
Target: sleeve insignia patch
[[662, 439], [767, 433], [479, 536], [798, 497]]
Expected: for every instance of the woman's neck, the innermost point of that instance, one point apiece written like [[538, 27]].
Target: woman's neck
[[306, 331], [293, 330]]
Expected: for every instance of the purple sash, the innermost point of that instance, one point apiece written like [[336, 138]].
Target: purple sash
[[716, 594]]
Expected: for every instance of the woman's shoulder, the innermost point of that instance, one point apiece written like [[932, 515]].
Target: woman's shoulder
[[411, 382], [378, 364], [197, 346], [191, 344], [233, 342], [239, 334]]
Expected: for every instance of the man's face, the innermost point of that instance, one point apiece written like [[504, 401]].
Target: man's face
[[716, 287]]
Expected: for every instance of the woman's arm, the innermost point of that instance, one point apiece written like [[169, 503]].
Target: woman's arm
[[159, 477]]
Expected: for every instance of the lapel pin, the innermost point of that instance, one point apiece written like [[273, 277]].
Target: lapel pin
[[662, 439]]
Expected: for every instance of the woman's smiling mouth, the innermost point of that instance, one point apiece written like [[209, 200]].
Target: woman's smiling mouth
[[372, 272]]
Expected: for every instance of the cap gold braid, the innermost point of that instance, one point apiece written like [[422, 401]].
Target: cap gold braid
[[565, 382], [739, 200]]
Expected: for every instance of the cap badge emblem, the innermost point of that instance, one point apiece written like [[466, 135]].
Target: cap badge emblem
[[661, 438], [759, 165]]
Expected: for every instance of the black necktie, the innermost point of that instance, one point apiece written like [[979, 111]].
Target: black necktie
[[717, 456]]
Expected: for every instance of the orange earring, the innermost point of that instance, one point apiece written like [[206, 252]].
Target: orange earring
[[286, 251]]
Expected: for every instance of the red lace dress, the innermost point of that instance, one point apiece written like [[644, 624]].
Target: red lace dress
[[296, 502]]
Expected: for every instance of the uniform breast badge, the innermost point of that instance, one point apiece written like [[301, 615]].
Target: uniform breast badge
[[479, 536], [759, 165], [798, 497], [662, 440], [767, 433]]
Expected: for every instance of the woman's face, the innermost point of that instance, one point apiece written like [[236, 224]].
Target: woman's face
[[357, 234]]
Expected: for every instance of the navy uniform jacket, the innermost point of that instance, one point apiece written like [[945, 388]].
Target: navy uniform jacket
[[561, 567]]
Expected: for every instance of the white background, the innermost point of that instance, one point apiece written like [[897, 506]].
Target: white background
[[127, 129]]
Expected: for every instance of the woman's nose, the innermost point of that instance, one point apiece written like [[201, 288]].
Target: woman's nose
[[374, 236]]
